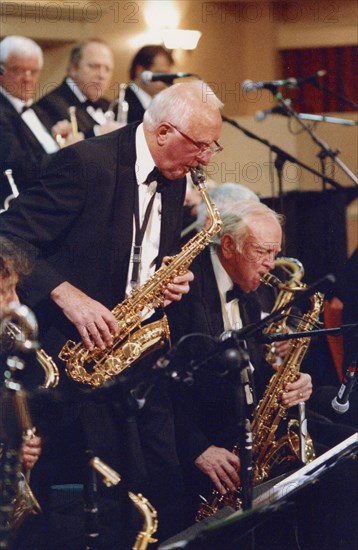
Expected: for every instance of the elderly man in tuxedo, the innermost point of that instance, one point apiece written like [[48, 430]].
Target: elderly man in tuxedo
[[223, 297], [88, 78], [25, 143], [80, 225]]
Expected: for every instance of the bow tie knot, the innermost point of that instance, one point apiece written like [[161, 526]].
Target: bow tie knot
[[95, 104], [235, 292], [156, 175]]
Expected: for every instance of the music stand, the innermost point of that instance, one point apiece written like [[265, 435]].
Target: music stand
[[235, 530]]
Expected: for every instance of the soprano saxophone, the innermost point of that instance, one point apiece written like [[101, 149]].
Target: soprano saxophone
[[134, 340], [268, 451]]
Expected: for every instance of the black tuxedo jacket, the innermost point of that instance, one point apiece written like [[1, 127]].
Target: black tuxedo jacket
[[135, 108], [77, 222], [54, 107], [205, 412], [19, 150]]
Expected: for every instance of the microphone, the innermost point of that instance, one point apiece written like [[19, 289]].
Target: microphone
[[292, 82], [341, 402], [277, 110], [148, 76]]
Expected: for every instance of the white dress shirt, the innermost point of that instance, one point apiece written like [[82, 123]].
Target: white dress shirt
[[97, 114], [230, 310], [150, 244], [31, 119]]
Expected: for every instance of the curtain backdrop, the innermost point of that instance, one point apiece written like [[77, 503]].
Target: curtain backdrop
[[341, 65]]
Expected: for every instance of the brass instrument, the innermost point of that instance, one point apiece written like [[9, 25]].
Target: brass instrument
[[122, 113], [295, 270], [60, 140], [111, 478], [14, 335], [73, 120], [14, 190], [133, 340], [14, 401], [150, 525], [268, 451]]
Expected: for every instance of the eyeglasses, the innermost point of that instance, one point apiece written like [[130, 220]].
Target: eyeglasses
[[211, 148]]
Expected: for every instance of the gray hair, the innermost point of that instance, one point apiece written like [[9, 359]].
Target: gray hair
[[235, 218], [19, 45], [223, 196], [13, 260], [179, 103]]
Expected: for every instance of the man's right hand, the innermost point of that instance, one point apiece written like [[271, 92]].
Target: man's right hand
[[94, 322], [221, 466]]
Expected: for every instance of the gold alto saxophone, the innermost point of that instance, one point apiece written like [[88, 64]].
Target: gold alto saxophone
[[132, 340], [268, 451]]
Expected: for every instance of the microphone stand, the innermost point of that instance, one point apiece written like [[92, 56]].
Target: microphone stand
[[280, 337], [325, 150], [90, 506], [238, 369], [284, 155]]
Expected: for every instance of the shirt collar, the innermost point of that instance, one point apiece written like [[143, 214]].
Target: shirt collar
[[16, 102], [223, 279], [75, 89], [144, 162]]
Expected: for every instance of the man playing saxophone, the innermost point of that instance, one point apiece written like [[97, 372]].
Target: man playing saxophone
[[95, 239], [223, 297], [13, 266]]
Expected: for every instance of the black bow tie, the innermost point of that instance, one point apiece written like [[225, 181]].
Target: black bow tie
[[156, 175], [95, 104], [235, 292]]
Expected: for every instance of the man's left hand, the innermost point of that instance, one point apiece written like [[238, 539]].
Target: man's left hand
[[296, 392], [179, 286]]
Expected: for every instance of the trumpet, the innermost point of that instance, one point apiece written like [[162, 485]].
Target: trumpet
[[14, 190], [60, 140], [122, 113], [73, 120]]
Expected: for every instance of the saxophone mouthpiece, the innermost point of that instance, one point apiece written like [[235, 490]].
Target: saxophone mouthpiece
[[197, 175]]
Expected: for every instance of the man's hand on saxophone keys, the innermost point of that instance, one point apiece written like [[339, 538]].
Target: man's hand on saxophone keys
[[179, 286], [94, 322], [296, 392], [221, 466], [30, 451]]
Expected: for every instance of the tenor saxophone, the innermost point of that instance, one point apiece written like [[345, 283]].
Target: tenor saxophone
[[14, 337], [268, 451], [150, 524], [95, 367], [14, 400], [295, 270]]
